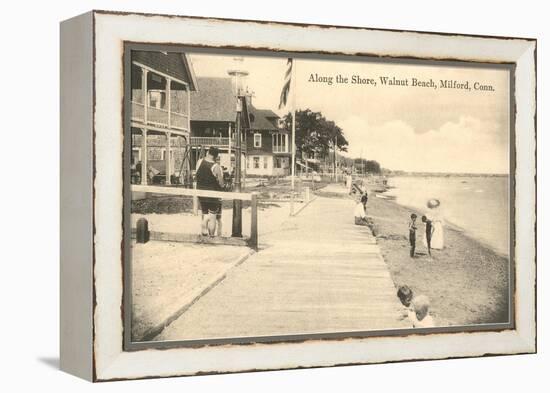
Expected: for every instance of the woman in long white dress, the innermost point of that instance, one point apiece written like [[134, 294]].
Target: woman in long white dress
[[435, 215]]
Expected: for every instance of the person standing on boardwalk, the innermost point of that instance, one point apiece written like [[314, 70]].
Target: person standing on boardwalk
[[210, 177], [412, 234], [429, 233]]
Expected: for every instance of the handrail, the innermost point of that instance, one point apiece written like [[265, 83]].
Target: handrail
[[243, 196], [252, 197]]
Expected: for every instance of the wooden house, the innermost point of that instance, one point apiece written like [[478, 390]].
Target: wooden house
[[214, 108], [268, 145], [161, 86], [265, 147]]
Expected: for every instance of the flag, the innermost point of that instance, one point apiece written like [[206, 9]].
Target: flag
[[286, 85]]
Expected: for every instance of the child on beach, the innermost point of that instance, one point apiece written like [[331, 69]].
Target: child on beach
[[420, 317], [405, 295], [429, 233], [412, 234]]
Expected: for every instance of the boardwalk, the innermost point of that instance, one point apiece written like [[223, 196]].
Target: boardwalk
[[319, 273]]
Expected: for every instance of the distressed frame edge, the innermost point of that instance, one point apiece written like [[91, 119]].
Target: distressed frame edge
[[76, 207], [527, 339]]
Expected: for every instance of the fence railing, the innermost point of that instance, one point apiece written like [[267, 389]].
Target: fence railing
[[195, 193]]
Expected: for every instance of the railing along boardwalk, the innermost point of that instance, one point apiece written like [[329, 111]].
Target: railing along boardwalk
[[193, 192]]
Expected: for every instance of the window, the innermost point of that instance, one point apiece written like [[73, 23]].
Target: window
[[257, 140], [265, 162], [278, 162], [280, 143], [136, 155], [163, 154], [256, 162]]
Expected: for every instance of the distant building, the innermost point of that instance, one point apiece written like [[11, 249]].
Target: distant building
[[264, 146], [214, 109], [161, 85], [268, 145]]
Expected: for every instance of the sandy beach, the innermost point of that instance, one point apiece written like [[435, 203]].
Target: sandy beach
[[467, 282]]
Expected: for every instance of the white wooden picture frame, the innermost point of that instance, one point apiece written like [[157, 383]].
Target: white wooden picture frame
[[92, 196]]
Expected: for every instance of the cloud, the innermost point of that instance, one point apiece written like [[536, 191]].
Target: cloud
[[466, 145]]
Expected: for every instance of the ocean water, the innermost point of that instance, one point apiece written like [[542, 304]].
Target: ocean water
[[479, 205]]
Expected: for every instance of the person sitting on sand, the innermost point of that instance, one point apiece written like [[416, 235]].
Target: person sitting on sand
[[360, 211], [412, 234], [405, 295], [420, 316]]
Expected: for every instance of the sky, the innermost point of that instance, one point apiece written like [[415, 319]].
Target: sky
[[420, 129]]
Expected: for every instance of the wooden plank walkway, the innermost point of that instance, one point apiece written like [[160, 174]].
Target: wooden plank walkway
[[320, 273]]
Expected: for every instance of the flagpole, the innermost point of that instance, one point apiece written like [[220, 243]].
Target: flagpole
[[293, 103]]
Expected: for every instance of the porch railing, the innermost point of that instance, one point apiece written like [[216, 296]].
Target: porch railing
[[280, 149], [159, 117], [214, 141]]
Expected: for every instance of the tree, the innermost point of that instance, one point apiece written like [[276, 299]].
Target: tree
[[370, 166], [373, 167], [314, 133]]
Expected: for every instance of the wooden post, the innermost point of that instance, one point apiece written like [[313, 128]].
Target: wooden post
[[188, 108], [144, 170], [169, 100], [195, 200], [254, 221], [167, 159], [142, 231], [144, 164], [145, 95], [229, 145]]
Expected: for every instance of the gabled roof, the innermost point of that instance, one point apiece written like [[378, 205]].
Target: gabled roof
[[214, 100], [263, 119], [175, 65]]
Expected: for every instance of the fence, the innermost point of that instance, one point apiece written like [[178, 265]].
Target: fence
[[252, 197]]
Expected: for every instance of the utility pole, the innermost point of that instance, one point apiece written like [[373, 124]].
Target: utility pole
[[237, 224], [334, 162]]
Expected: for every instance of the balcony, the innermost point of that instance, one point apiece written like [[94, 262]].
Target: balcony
[[219, 142], [159, 117], [280, 149]]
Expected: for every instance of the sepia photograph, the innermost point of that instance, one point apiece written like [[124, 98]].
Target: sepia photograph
[[273, 197]]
